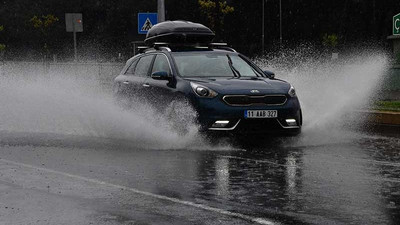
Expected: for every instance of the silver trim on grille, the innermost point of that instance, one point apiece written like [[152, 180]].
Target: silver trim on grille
[[253, 96]]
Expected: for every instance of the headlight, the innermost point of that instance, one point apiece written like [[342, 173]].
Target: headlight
[[292, 91], [203, 91]]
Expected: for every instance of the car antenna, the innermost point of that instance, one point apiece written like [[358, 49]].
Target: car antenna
[[236, 73]]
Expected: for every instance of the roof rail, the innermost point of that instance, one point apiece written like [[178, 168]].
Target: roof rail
[[142, 49], [223, 46], [150, 50], [162, 46], [161, 43], [165, 48], [218, 44]]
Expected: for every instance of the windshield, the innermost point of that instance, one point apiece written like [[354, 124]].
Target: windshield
[[195, 64]]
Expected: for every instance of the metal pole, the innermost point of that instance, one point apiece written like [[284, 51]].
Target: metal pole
[[263, 28], [280, 22], [161, 10], [75, 50]]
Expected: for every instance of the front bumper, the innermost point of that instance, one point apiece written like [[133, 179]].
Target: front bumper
[[212, 110]]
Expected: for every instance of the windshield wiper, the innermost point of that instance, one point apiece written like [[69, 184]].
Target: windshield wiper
[[236, 73]]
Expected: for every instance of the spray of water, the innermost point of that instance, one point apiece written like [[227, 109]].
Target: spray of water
[[63, 105], [72, 102], [331, 92]]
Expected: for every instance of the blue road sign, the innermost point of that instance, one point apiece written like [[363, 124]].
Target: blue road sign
[[146, 21]]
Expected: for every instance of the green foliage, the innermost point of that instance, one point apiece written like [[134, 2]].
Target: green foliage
[[1, 28], [215, 11], [387, 106], [207, 4], [330, 40], [43, 23]]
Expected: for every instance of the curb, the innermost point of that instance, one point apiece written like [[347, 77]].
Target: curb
[[383, 117]]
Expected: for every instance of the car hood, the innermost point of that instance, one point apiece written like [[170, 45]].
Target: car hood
[[243, 85]]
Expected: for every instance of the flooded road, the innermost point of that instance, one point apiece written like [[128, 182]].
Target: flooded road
[[49, 179]]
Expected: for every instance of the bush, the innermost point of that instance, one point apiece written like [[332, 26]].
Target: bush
[[387, 106]]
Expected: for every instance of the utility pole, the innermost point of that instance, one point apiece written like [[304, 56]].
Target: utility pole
[[161, 10], [280, 22], [263, 27]]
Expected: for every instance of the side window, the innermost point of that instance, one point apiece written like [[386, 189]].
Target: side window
[[131, 68], [161, 64], [143, 66]]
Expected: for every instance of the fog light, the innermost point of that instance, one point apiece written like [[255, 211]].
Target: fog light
[[291, 122], [220, 123]]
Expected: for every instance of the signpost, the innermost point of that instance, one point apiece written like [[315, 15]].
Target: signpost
[[396, 24], [395, 37], [146, 21], [73, 23]]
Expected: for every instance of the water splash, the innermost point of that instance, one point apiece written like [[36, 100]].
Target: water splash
[[74, 103], [330, 92], [70, 106]]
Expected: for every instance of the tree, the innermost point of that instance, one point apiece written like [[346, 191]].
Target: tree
[[215, 11], [330, 40], [44, 25]]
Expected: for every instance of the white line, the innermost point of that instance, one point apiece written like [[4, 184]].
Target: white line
[[257, 220]]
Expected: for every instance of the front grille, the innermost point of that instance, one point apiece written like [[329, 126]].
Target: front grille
[[247, 100]]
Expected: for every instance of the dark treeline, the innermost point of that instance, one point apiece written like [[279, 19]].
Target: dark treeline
[[111, 25]]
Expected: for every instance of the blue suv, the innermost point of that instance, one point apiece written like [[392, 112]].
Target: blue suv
[[228, 92]]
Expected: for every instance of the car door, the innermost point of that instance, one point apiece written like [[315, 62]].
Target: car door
[[121, 87], [132, 82], [162, 92]]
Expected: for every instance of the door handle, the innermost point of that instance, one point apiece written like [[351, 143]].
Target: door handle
[[146, 85], [125, 82]]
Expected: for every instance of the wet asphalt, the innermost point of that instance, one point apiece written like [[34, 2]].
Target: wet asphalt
[[61, 179]]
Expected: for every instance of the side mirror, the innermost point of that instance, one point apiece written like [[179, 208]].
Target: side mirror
[[269, 74], [160, 75]]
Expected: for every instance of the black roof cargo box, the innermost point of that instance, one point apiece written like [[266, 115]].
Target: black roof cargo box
[[179, 32]]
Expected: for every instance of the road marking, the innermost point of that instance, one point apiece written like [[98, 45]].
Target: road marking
[[257, 220]]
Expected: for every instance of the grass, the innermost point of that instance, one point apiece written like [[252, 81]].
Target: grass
[[387, 106]]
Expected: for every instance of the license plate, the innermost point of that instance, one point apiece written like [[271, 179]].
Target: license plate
[[260, 113]]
